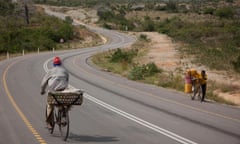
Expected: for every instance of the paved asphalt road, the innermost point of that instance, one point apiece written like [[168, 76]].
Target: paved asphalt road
[[115, 110]]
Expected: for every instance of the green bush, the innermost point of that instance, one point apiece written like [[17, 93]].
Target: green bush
[[143, 37], [24, 39], [69, 20], [148, 24], [65, 31], [151, 69], [171, 6], [209, 11], [171, 81], [226, 12], [6, 7], [236, 64], [105, 15], [136, 73], [119, 56], [140, 72]]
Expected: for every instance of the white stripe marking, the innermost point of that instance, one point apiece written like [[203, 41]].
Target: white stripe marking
[[140, 121]]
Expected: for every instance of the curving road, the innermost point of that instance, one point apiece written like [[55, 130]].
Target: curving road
[[115, 110]]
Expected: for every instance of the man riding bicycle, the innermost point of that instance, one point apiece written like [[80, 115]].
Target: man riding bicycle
[[192, 78], [57, 80]]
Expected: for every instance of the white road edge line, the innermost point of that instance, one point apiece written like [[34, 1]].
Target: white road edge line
[[142, 122]]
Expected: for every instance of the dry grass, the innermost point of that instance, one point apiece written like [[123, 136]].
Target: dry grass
[[152, 14]]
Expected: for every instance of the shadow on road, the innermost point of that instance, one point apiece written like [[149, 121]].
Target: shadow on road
[[96, 138]]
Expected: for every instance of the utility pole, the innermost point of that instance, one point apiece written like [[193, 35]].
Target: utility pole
[[26, 13]]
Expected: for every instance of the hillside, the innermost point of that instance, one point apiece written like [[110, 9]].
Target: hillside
[[27, 28]]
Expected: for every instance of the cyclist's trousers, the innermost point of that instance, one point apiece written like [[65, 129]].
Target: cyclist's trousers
[[49, 112]]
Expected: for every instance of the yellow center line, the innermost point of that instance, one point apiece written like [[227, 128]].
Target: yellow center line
[[161, 98], [14, 104]]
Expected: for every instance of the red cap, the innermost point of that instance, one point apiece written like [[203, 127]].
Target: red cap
[[57, 61]]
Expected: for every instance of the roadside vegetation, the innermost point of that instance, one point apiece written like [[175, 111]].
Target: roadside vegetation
[[28, 28], [128, 63], [41, 32]]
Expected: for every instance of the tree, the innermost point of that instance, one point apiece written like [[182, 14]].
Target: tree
[[172, 6], [26, 13], [68, 19], [236, 64], [226, 12], [6, 7]]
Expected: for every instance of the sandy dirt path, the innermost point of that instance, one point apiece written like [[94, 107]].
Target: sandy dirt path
[[164, 53]]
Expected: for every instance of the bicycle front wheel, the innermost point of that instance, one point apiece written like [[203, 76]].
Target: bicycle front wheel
[[200, 93], [64, 124], [193, 94], [51, 119]]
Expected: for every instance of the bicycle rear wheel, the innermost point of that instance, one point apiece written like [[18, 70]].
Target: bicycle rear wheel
[[64, 123]]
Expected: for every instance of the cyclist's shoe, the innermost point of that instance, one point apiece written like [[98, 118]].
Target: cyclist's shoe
[[49, 126], [192, 98], [63, 121]]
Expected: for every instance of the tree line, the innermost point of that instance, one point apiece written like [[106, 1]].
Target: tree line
[[40, 32]]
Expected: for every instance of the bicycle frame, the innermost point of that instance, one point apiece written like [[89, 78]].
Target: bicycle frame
[[62, 102], [60, 116], [62, 119], [196, 89]]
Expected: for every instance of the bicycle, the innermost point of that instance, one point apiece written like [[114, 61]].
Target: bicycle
[[62, 103], [196, 89]]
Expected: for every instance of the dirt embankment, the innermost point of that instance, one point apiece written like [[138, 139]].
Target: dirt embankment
[[165, 54]]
